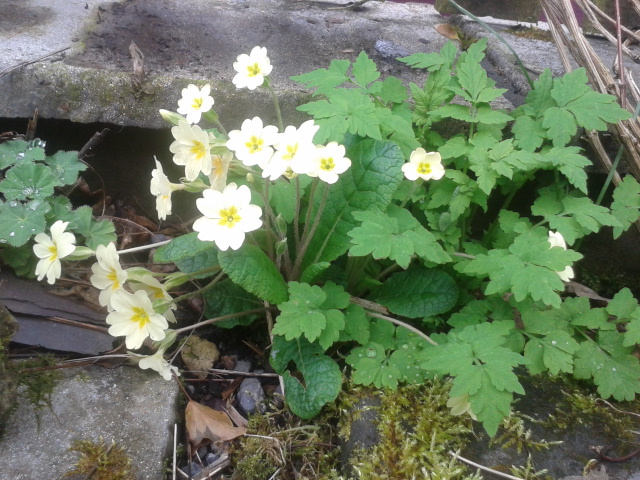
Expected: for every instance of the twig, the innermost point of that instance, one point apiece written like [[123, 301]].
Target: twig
[[601, 452], [483, 468], [29, 62], [623, 86], [93, 141], [175, 450], [616, 409], [218, 319]]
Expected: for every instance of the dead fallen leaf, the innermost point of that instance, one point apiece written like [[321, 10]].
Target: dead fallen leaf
[[583, 291], [447, 31], [204, 423], [199, 355]]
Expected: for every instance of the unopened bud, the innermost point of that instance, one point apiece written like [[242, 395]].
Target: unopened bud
[[176, 279], [281, 247], [210, 116], [171, 117], [80, 253], [281, 225]]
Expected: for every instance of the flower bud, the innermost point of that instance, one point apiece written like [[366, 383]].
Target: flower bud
[[176, 279], [171, 117], [281, 225], [80, 253], [210, 116], [281, 247]]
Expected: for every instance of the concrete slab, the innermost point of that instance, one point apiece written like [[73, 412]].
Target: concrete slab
[[134, 408], [193, 40]]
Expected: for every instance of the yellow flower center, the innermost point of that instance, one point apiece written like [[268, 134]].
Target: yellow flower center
[[198, 150], [197, 103], [229, 217], [254, 144], [54, 253], [157, 293], [140, 316], [217, 166], [424, 168], [327, 164], [253, 70], [113, 276], [291, 152]]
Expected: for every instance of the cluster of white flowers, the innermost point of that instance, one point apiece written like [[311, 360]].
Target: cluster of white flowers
[[228, 214]]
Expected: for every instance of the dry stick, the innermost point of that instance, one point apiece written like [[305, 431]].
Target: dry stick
[[93, 141], [623, 86], [218, 319], [482, 467], [29, 62]]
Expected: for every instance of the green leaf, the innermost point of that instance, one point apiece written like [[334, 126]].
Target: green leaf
[[369, 184], [571, 164], [626, 204], [181, 247], [554, 352], [202, 262], [325, 80], [17, 152], [321, 376], [365, 70], [313, 272], [561, 126], [226, 298], [623, 304], [313, 312], [95, 232], [356, 325], [372, 367], [393, 90], [18, 223], [418, 292], [29, 181], [615, 375], [346, 111], [65, 166], [282, 195], [528, 132], [250, 268], [539, 99]]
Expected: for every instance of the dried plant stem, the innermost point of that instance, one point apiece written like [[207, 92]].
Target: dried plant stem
[[483, 468]]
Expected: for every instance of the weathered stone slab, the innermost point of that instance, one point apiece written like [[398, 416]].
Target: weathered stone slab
[[195, 40], [134, 408]]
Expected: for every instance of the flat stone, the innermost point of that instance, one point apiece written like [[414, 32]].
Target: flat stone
[[134, 408]]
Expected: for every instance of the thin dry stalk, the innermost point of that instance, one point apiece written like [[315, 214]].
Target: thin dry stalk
[[614, 80]]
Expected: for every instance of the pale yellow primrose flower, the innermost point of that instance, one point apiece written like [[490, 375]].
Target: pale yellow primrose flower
[[162, 189], [252, 68], [228, 215], [108, 276], [424, 165], [460, 405], [328, 162], [194, 102], [158, 363], [155, 291], [557, 240], [294, 151], [134, 318], [219, 171], [50, 249], [252, 143], [191, 149]]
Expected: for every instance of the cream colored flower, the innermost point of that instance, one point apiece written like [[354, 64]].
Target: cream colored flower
[[425, 165], [328, 162], [155, 291], [191, 149], [194, 102], [460, 405], [219, 171], [252, 68], [50, 249], [557, 240], [134, 318], [294, 151], [108, 276], [162, 189], [228, 216], [252, 144], [158, 363]]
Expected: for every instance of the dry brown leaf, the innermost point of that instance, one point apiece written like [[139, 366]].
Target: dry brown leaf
[[206, 423], [199, 355], [447, 30]]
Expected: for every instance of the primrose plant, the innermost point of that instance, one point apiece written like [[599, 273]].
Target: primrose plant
[[380, 235]]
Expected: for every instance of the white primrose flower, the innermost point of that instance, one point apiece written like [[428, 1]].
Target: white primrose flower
[[294, 151], [162, 189], [155, 291], [424, 165], [50, 249], [557, 240], [228, 216], [460, 405], [194, 102], [158, 363], [108, 276], [252, 144], [191, 149], [328, 162], [252, 68], [134, 318], [219, 171]]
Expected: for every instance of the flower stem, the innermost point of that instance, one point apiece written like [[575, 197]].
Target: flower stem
[[411, 192], [308, 235], [211, 284], [276, 105], [218, 319], [143, 247]]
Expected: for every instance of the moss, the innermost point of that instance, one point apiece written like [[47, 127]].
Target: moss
[[36, 380], [532, 33], [100, 461]]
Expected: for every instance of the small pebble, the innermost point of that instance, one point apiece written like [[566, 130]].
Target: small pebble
[[389, 49], [211, 458], [251, 396], [243, 366]]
